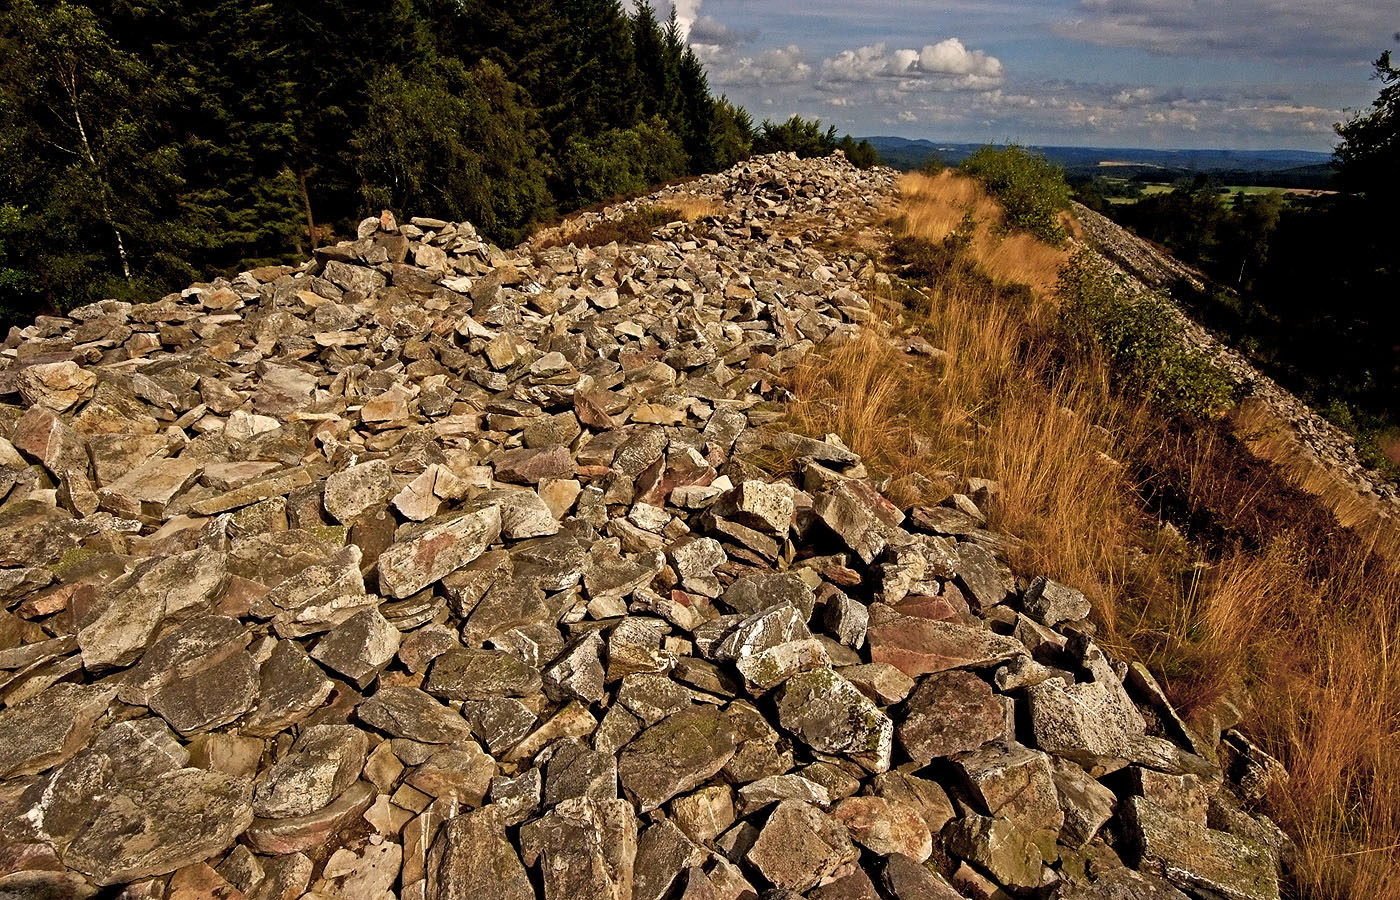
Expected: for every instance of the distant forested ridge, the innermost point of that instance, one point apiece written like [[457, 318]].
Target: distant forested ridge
[[148, 143]]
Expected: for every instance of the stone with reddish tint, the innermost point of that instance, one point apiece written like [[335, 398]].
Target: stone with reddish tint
[[800, 846], [431, 553], [919, 646], [949, 713], [885, 827]]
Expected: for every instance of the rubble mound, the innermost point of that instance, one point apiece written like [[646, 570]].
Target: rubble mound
[[1147, 269], [431, 570]]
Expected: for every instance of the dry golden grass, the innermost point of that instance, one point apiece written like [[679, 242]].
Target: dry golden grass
[[694, 207], [1274, 594], [934, 206]]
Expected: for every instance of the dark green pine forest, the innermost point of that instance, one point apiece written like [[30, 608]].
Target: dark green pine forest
[[145, 144]]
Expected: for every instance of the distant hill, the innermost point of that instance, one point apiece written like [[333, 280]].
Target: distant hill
[[907, 153]]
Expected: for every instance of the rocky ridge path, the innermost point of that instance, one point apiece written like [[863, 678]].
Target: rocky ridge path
[[432, 570], [1147, 268]]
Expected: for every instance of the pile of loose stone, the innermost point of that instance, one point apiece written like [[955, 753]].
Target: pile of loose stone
[[428, 570], [1145, 268]]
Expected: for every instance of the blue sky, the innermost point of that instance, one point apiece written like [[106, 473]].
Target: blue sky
[[1246, 74]]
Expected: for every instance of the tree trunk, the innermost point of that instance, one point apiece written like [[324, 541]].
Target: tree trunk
[[72, 87], [306, 205]]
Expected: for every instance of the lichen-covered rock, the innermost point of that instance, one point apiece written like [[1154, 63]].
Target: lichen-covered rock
[[799, 846], [677, 754], [949, 713], [324, 762], [409, 713], [584, 848], [436, 551], [830, 715], [1195, 858], [473, 858], [154, 827], [44, 730], [461, 674]]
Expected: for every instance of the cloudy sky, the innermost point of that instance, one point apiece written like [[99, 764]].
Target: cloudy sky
[[1129, 73]]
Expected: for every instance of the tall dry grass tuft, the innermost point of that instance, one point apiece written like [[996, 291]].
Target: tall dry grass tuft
[[935, 206], [694, 207], [1267, 590]]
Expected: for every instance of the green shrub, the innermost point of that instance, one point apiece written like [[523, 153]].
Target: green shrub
[[1143, 339], [804, 137], [621, 162], [1031, 190]]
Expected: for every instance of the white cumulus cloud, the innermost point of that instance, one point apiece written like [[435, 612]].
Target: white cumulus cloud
[[780, 65], [948, 61]]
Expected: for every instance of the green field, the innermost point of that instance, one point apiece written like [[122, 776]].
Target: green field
[[1230, 190]]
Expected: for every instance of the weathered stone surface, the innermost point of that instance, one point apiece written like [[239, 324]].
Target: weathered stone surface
[[861, 518], [663, 855], [695, 560], [472, 859], [652, 698], [986, 580], [830, 715], [524, 513], [881, 682], [309, 832], [1090, 722], [677, 754], [409, 713], [323, 764], [1120, 883], [461, 674], [928, 797], [918, 646], [197, 677], [461, 772], [578, 672], [886, 827], [143, 600], [776, 788], [767, 507], [41, 732], [501, 722], [1050, 603], [758, 592], [1015, 783], [948, 713], [318, 597], [155, 827], [574, 771], [359, 648], [584, 848], [1087, 805], [906, 879], [437, 551], [854, 886], [56, 386], [800, 846], [290, 688], [998, 848], [532, 465], [1195, 858]]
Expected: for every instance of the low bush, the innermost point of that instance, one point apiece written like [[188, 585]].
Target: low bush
[[1033, 192], [1144, 340]]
